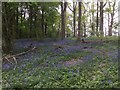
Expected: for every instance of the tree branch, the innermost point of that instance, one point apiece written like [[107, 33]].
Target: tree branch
[[19, 54], [104, 4], [65, 5], [70, 9]]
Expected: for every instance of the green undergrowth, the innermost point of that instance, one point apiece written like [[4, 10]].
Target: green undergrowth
[[98, 73], [76, 55], [107, 47], [103, 38]]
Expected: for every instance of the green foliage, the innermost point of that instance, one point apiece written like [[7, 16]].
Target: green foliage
[[99, 72], [84, 18], [92, 10], [30, 20], [74, 56], [108, 10]]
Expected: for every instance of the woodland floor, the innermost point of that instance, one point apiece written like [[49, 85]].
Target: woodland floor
[[64, 63]]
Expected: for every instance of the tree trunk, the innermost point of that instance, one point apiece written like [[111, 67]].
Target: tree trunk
[[101, 19], [42, 22], [85, 30], [79, 20], [93, 26], [59, 26], [111, 23], [31, 21], [46, 29], [74, 18], [6, 42], [97, 20], [63, 19], [17, 31], [108, 22]]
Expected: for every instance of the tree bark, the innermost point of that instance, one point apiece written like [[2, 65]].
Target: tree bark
[[101, 19], [46, 29], [42, 22], [93, 25], [31, 20], [17, 36], [63, 19], [74, 18], [111, 23], [85, 30], [108, 22], [79, 20], [6, 43], [97, 20]]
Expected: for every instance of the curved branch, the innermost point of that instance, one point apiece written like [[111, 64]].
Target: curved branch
[[19, 54], [70, 9]]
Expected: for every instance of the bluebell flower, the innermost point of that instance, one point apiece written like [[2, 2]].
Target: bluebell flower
[[6, 66]]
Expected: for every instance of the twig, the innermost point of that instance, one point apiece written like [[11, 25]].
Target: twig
[[19, 54], [14, 57]]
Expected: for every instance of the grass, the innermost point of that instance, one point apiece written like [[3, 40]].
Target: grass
[[100, 72]]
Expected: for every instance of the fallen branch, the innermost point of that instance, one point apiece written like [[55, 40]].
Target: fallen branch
[[13, 57], [19, 54]]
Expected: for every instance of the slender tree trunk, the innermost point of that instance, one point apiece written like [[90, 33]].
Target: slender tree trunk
[[42, 22], [31, 20], [101, 18], [17, 30], [62, 24], [46, 29], [59, 29], [93, 25], [74, 18], [79, 20], [97, 20], [108, 22], [111, 23], [63, 18], [74, 24], [85, 30], [110, 27]]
